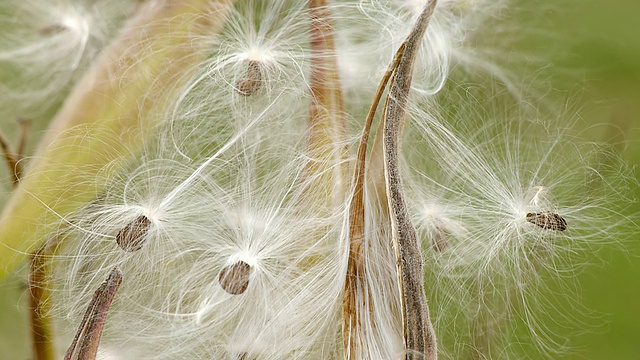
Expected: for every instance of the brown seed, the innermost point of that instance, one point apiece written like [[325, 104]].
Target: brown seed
[[251, 80], [547, 220], [234, 279], [440, 239], [132, 237], [53, 29]]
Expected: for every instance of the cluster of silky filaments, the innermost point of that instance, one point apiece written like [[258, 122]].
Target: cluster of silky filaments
[[507, 202], [173, 302], [507, 199], [223, 188], [46, 45], [221, 191]]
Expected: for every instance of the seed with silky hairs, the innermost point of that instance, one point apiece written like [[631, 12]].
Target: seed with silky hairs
[[234, 278], [132, 237], [547, 220], [53, 29], [251, 80], [440, 239]]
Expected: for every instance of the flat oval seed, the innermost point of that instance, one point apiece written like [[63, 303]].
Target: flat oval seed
[[251, 80], [234, 279], [440, 239], [132, 237], [547, 220], [53, 29]]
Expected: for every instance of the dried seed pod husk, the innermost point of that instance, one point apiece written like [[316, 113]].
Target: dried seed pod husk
[[251, 80], [132, 237], [234, 278], [418, 332], [547, 220]]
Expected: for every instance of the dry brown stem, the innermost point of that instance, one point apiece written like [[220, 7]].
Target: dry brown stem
[[85, 343]]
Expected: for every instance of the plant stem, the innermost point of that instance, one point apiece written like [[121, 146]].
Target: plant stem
[[85, 343], [39, 302], [11, 157], [326, 144]]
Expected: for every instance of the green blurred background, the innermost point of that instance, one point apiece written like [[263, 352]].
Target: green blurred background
[[606, 40], [602, 38]]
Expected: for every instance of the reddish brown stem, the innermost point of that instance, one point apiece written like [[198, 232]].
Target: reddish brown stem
[[327, 125], [12, 158], [85, 343], [41, 332]]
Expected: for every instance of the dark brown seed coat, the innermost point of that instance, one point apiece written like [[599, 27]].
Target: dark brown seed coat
[[234, 278], [251, 80], [547, 220], [440, 239], [132, 237]]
